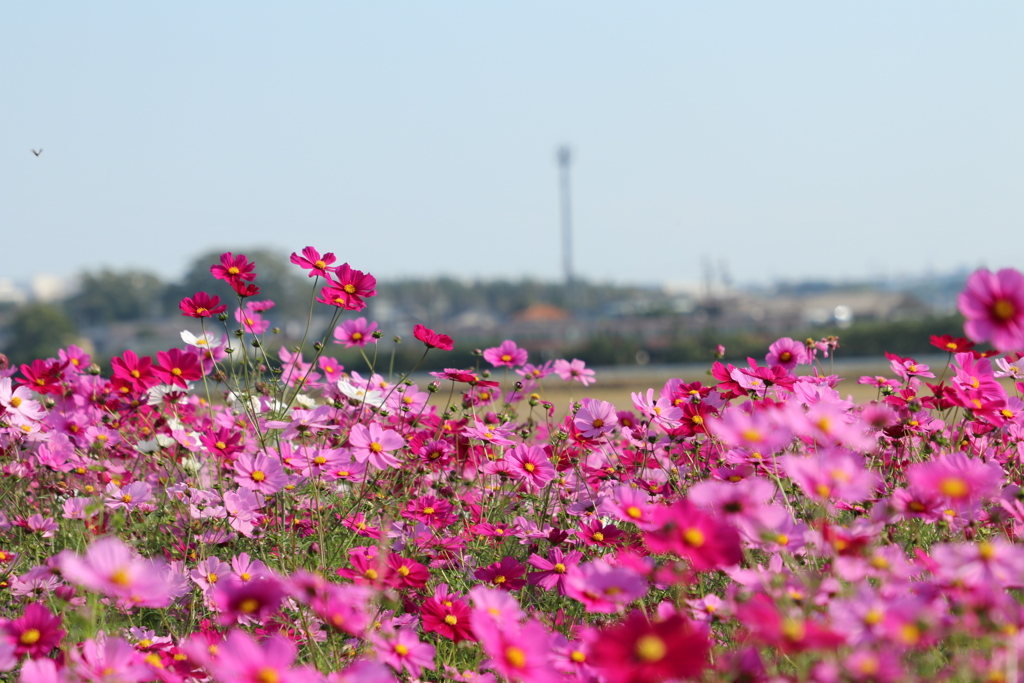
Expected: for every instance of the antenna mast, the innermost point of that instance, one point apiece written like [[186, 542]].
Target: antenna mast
[[564, 161]]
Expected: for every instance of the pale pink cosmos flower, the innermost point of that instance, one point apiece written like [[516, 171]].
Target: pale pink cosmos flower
[[576, 370], [241, 659], [495, 434], [517, 653], [208, 572], [662, 411], [831, 474], [354, 333], [375, 445], [44, 526], [507, 355], [19, 405], [963, 483], [112, 568], [602, 588], [993, 305], [595, 418], [127, 497], [788, 353], [260, 473], [113, 659], [402, 650]]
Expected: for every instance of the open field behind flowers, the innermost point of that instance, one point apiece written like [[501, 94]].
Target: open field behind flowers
[[232, 512]]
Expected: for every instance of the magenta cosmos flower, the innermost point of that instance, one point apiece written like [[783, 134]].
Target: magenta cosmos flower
[[233, 268], [641, 651], [202, 305], [993, 304], [374, 444], [507, 355], [312, 261], [354, 333], [432, 339], [35, 632]]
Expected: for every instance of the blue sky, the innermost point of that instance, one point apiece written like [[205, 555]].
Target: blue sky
[[787, 140]]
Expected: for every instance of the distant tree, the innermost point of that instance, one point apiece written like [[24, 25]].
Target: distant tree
[[38, 331], [111, 296]]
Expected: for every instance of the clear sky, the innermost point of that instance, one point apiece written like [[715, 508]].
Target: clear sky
[[785, 139]]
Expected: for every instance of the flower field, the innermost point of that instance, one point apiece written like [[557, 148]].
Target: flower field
[[229, 511]]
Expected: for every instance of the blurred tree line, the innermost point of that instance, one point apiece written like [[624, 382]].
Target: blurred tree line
[[107, 298]]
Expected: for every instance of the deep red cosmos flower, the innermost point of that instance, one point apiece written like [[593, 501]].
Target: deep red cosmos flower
[[202, 305], [432, 339], [232, 268], [641, 651]]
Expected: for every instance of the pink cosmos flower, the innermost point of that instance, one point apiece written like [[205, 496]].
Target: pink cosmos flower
[[963, 483], [250, 320], [517, 653], [595, 418], [348, 287], [498, 435], [575, 370], [247, 602], [128, 497], [241, 659], [993, 305], [209, 573], [402, 650], [553, 570], [354, 333], [112, 568], [97, 662], [260, 473], [787, 353], [19, 406], [375, 445], [604, 589], [696, 536], [507, 355], [530, 465]]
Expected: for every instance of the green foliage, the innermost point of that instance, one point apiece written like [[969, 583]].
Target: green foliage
[[110, 296], [38, 331]]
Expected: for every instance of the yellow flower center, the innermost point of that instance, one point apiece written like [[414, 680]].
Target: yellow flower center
[[451, 620], [1003, 310], [954, 487], [30, 637], [267, 675], [376, 447], [694, 537], [401, 650], [651, 648], [249, 605], [15, 401], [516, 657], [258, 475]]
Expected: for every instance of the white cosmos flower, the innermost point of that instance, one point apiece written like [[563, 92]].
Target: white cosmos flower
[[204, 341], [370, 397]]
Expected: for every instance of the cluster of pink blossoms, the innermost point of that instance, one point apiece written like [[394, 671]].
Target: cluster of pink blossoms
[[305, 523]]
